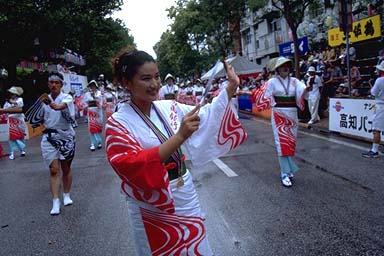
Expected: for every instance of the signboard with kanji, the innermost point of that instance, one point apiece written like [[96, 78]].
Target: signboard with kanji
[[352, 116], [364, 29]]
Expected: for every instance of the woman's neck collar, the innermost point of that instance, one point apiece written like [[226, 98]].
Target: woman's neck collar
[[144, 106]]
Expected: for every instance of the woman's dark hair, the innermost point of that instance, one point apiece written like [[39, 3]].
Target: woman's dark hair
[[126, 64]]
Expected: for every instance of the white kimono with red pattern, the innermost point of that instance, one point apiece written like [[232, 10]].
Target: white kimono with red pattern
[[167, 219], [284, 119]]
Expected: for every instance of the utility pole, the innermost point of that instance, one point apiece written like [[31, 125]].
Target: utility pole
[[345, 23]]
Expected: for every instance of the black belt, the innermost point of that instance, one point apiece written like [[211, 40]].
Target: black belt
[[174, 173], [285, 101]]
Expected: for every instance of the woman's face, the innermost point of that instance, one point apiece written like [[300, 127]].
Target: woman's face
[[146, 83]]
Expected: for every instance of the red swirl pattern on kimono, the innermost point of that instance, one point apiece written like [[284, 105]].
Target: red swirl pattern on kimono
[[15, 130], [258, 97], [285, 126], [143, 176], [231, 130], [172, 234], [93, 125]]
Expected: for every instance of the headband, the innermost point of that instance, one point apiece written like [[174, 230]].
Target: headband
[[55, 78]]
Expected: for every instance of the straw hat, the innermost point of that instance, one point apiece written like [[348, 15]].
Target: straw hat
[[93, 82], [280, 61], [311, 69], [16, 90], [169, 76], [380, 66]]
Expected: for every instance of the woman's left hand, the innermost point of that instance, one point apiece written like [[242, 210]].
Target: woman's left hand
[[233, 79]]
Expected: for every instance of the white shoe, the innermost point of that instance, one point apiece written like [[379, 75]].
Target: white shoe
[[55, 206], [67, 199], [286, 181], [99, 146], [92, 147], [23, 153], [11, 156]]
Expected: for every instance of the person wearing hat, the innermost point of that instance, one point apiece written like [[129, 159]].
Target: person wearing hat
[[284, 94], [56, 111], [314, 83], [198, 90], [110, 100], [93, 98], [378, 118], [17, 127], [169, 90]]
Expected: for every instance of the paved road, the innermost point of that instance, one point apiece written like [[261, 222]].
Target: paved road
[[335, 207]]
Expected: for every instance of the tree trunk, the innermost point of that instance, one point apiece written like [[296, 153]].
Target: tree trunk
[[296, 54]]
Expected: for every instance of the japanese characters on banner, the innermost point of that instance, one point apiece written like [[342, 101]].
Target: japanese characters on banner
[[352, 116], [74, 82], [364, 29], [4, 130]]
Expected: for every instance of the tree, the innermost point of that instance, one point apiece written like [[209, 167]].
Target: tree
[[202, 32], [82, 26], [293, 12]]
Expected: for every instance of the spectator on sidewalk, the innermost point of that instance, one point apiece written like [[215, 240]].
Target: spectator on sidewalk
[[378, 119], [314, 82]]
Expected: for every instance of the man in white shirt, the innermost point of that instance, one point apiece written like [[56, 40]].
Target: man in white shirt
[[169, 90], [314, 81]]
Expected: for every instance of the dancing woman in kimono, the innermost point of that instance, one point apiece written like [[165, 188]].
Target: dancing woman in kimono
[[94, 101], [56, 111], [16, 123], [284, 94], [147, 143]]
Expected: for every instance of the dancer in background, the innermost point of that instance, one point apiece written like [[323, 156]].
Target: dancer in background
[[17, 127], [95, 114], [284, 94]]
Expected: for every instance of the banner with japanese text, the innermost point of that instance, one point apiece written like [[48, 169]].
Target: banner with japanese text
[[364, 29], [352, 116]]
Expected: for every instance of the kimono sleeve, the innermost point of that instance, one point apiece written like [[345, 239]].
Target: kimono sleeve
[[139, 168], [301, 93], [219, 132]]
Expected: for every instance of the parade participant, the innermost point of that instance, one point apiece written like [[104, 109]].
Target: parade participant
[[16, 123], [169, 90], [110, 100], [58, 141], [198, 91], [145, 141], [283, 93], [314, 83], [378, 118], [95, 114]]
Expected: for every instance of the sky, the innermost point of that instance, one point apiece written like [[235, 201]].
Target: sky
[[146, 20]]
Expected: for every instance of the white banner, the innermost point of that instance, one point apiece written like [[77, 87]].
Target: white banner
[[352, 116], [74, 82]]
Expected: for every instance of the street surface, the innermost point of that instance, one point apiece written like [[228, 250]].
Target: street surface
[[335, 207]]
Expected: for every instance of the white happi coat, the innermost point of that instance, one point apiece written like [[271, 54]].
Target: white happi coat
[[167, 219], [56, 120], [378, 117]]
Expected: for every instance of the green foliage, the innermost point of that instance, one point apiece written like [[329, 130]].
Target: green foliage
[[199, 35], [83, 26]]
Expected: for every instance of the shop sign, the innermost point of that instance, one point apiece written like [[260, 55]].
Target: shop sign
[[364, 29]]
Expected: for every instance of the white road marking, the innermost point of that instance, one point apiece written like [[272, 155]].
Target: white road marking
[[324, 138], [344, 143], [225, 168]]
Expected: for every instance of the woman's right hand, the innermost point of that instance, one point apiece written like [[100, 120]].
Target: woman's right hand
[[189, 124]]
